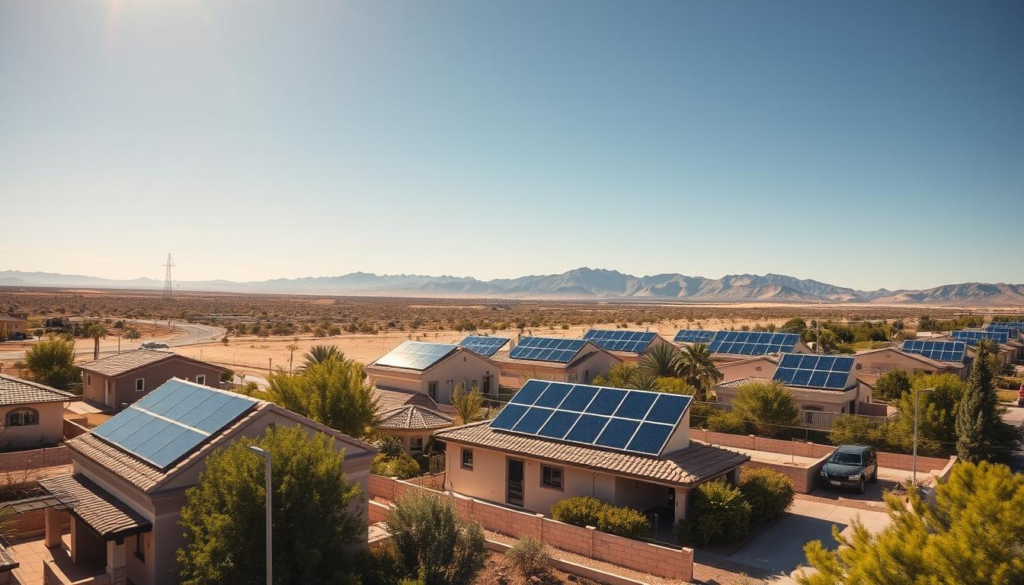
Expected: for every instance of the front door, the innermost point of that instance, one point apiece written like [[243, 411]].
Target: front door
[[514, 497], [487, 386]]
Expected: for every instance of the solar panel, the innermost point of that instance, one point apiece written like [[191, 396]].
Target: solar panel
[[973, 337], [694, 336], [547, 349], [416, 355], [943, 351], [1012, 329], [483, 345], [636, 421], [1018, 325], [171, 421], [822, 372], [620, 339], [753, 342]]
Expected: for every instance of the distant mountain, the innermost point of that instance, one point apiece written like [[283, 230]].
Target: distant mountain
[[581, 283]]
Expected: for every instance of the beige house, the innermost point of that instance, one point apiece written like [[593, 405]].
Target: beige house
[[819, 383], [13, 326], [755, 367], [625, 344], [413, 425], [434, 370], [872, 363], [120, 380], [727, 346], [124, 506], [32, 414], [578, 364]]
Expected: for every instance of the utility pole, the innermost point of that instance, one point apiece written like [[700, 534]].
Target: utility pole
[[168, 288], [270, 543]]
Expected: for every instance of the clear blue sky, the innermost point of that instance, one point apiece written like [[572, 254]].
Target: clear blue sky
[[865, 144]]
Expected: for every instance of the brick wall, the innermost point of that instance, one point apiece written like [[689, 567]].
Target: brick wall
[[663, 561], [73, 428], [804, 478], [35, 458], [32, 524]]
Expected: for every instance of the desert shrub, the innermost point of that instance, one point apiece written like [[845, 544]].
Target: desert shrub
[[578, 511], [390, 446], [402, 467], [727, 422], [768, 405], [589, 511], [719, 514], [529, 557], [768, 492]]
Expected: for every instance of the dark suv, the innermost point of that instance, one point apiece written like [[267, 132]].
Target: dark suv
[[850, 466]]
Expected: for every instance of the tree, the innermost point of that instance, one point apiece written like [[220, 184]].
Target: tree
[[794, 325], [291, 347], [694, 364], [224, 515], [52, 362], [467, 404], [981, 432], [768, 405], [826, 341], [937, 412], [892, 385], [331, 393], [433, 544], [319, 354], [617, 376], [659, 361], [95, 330], [972, 535]]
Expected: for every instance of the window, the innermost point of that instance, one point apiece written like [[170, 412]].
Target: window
[[140, 384], [551, 477], [201, 379], [416, 445], [432, 389], [140, 548], [88, 379], [23, 417], [467, 459]]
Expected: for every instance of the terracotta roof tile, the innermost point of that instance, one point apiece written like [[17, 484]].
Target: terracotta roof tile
[[135, 471], [96, 507], [390, 399], [412, 417], [18, 391]]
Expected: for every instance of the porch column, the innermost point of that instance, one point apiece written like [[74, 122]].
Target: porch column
[[52, 528], [682, 503], [116, 561]]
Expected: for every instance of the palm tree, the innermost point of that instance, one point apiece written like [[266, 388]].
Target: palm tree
[[319, 354], [643, 380], [694, 364], [291, 347], [659, 361], [96, 330]]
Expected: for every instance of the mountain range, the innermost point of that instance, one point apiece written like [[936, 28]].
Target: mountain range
[[581, 283]]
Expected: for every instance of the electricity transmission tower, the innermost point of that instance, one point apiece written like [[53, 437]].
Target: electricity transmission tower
[[168, 290]]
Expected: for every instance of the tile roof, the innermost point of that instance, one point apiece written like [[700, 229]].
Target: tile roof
[[12, 318], [18, 391], [116, 365], [694, 464], [412, 417], [390, 399], [135, 471], [93, 505]]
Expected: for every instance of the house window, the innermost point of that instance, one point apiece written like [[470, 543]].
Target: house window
[[467, 459], [140, 548], [22, 417], [140, 384], [432, 389], [201, 379], [416, 444], [551, 477], [88, 379]]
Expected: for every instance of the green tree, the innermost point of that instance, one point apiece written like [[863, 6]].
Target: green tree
[[849, 429], [768, 405], [674, 385], [467, 404], [319, 354], [52, 362], [892, 385], [95, 330], [617, 376], [659, 361], [794, 325], [433, 544], [972, 535], [937, 411], [332, 393], [224, 515], [981, 433], [694, 364], [827, 341], [719, 514]]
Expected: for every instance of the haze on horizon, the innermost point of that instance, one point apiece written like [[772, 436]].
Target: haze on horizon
[[865, 145]]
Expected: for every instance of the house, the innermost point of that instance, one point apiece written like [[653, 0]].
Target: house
[[389, 399], [433, 369], [554, 441], [129, 476], [819, 383], [13, 326], [947, 351], [553, 358], [484, 345], [871, 364], [628, 346], [32, 414], [121, 379], [755, 367], [738, 345], [413, 425]]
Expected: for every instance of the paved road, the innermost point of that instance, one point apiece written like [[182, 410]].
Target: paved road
[[194, 333]]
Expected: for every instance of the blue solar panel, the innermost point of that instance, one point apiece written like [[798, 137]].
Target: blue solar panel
[[822, 372], [171, 421], [753, 342], [547, 349], [973, 337], [416, 355], [943, 351], [694, 336], [482, 345], [1012, 329], [620, 339], [630, 420]]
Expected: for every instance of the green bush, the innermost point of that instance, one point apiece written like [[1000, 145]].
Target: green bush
[[578, 511], [727, 422], [892, 385], [588, 511], [529, 557], [390, 446], [1008, 382], [719, 514], [768, 492], [402, 467]]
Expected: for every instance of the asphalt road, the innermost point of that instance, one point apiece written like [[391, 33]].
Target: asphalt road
[[194, 333]]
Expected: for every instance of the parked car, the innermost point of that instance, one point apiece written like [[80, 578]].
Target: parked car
[[1020, 395], [850, 466], [154, 345]]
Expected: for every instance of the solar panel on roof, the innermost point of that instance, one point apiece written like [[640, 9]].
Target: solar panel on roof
[[694, 336], [628, 420], [943, 351], [753, 342], [1012, 329], [823, 372], [172, 421], [416, 355], [620, 339], [483, 345], [973, 337], [547, 349]]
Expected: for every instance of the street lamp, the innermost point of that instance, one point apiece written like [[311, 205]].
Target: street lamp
[[917, 406], [270, 547]]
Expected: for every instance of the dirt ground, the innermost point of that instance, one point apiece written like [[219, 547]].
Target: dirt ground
[[499, 572]]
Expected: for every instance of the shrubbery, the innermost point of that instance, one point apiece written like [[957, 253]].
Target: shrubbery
[[402, 467], [588, 511], [721, 513], [769, 493], [529, 557]]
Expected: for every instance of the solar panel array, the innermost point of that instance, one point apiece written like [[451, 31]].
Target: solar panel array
[[171, 421], [626, 420], [620, 339], [695, 336], [753, 342], [547, 349], [943, 351], [973, 337], [483, 345], [1012, 328], [824, 372], [416, 355]]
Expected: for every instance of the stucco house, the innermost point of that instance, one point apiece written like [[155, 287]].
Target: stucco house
[[625, 344], [755, 367], [130, 474], [413, 425], [549, 443], [819, 383], [728, 346], [434, 370], [553, 358], [13, 326], [32, 414], [871, 364], [119, 380]]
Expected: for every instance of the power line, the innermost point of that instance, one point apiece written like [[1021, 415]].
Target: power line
[[168, 288]]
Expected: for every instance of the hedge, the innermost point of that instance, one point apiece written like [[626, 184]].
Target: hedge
[[768, 492], [589, 511]]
